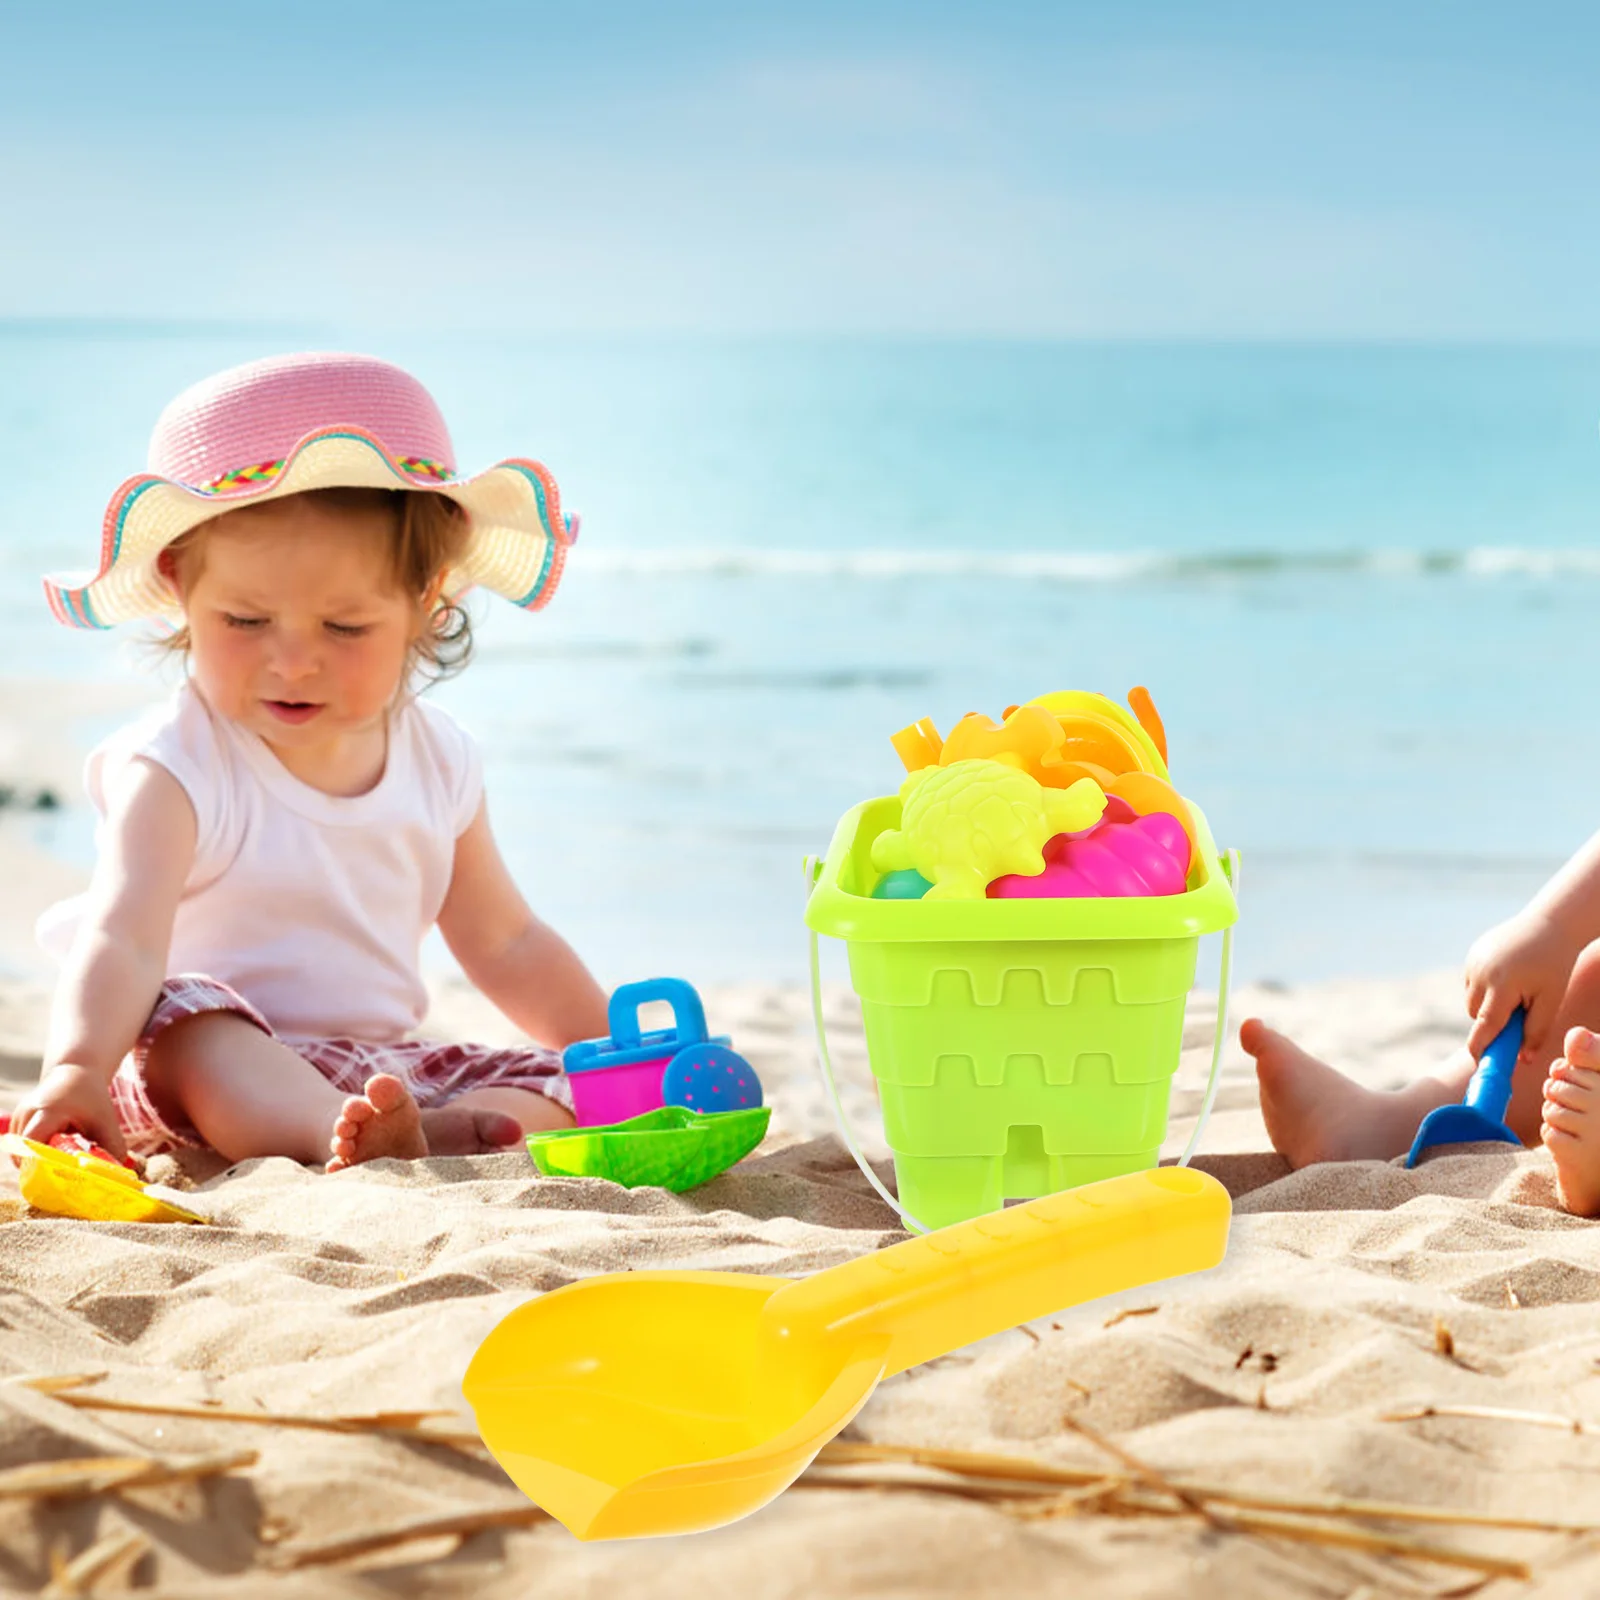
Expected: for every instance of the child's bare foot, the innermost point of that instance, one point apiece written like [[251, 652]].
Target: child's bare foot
[[1571, 1127], [1314, 1113], [383, 1120], [469, 1131]]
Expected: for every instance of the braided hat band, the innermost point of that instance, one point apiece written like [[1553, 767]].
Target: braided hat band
[[292, 423]]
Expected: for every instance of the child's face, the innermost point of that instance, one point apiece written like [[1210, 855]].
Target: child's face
[[297, 630]]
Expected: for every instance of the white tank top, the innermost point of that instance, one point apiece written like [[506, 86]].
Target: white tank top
[[313, 906]]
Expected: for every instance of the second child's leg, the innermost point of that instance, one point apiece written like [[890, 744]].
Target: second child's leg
[[1314, 1113]]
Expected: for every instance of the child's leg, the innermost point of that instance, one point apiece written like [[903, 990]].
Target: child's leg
[[245, 1093], [1314, 1113]]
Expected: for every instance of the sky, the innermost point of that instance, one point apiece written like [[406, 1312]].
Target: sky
[[1138, 170]]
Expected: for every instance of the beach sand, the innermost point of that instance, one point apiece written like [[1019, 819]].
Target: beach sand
[[1353, 1298]]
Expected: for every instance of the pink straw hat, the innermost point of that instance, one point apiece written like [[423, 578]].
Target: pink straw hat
[[290, 423]]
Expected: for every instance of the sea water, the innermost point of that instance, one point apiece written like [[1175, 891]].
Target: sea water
[[1360, 582]]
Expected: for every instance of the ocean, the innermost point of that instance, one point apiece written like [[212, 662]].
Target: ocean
[[1360, 582]]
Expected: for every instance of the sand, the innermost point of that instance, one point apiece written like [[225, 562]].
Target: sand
[[1352, 1298]]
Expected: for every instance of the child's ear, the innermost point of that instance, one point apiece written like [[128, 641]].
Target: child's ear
[[167, 566]]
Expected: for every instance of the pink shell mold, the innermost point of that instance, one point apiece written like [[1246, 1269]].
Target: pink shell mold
[[1122, 854]]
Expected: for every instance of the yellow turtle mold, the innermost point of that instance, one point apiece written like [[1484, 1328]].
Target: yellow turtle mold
[[964, 825]]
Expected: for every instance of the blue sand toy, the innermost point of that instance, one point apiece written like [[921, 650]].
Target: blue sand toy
[[1488, 1094], [710, 1077]]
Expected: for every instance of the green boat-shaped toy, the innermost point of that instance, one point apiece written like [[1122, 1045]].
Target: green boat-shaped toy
[[672, 1147]]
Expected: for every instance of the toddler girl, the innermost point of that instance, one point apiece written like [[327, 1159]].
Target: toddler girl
[[1546, 958], [274, 842]]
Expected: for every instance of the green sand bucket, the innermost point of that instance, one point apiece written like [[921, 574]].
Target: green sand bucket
[[1020, 1046], [672, 1147]]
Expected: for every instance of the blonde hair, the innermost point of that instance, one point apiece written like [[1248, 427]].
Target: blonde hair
[[428, 534]]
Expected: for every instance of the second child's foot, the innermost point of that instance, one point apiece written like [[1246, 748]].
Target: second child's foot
[[383, 1120], [1314, 1113], [1571, 1127]]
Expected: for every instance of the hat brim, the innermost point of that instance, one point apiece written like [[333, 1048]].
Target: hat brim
[[518, 545]]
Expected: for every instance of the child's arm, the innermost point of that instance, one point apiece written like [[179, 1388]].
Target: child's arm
[[526, 968], [1529, 959], [114, 970]]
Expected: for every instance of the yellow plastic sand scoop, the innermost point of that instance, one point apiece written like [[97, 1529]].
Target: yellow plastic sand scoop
[[647, 1403], [69, 1184]]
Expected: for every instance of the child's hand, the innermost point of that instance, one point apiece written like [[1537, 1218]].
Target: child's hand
[[1527, 960], [70, 1098]]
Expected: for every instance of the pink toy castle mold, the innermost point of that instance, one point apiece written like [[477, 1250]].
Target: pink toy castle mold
[[1122, 854]]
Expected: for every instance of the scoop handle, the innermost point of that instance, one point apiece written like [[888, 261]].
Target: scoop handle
[[1489, 1089], [948, 1288]]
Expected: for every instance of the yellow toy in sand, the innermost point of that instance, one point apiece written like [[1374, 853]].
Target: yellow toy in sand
[[964, 825], [69, 1183]]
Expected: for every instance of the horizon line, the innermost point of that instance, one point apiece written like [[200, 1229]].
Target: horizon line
[[95, 324]]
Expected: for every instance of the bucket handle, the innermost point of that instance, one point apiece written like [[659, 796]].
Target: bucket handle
[[1229, 862]]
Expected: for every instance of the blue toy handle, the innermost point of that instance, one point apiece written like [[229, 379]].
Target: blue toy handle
[[688, 1015], [1490, 1088]]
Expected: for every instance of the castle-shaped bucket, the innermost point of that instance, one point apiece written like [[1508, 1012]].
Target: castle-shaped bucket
[[1020, 1046]]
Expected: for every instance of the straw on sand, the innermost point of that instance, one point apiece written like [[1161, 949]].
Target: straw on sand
[[1024, 1488]]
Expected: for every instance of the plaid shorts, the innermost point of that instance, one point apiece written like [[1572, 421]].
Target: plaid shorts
[[435, 1071]]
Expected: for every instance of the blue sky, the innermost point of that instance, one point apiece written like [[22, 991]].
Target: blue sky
[[1139, 170]]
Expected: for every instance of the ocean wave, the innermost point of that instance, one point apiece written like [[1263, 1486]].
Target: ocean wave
[[1084, 566]]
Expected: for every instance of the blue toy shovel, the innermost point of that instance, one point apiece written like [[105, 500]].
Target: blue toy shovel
[[1488, 1095]]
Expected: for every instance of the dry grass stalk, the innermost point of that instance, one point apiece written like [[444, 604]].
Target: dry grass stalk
[[190, 1471], [1153, 1495], [966, 1463], [1100, 1496], [1131, 1311], [1390, 1511], [1145, 1474], [887, 1482], [48, 1480], [55, 1382], [113, 1552], [1539, 1419], [964, 1488], [90, 1475], [405, 1424], [461, 1523], [1019, 1470], [1347, 1538]]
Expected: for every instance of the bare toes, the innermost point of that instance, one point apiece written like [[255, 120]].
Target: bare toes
[[382, 1122], [1582, 1048], [385, 1092]]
